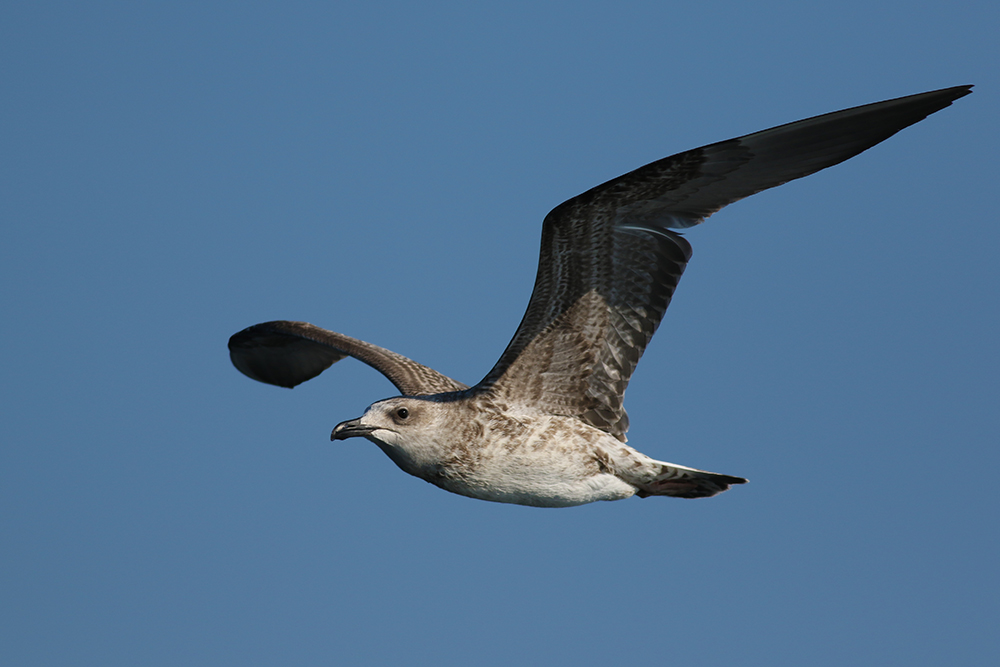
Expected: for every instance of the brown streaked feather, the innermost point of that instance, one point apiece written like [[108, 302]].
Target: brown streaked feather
[[609, 264], [288, 353]]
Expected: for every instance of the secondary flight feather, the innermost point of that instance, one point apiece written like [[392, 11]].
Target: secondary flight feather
[[546, 426]]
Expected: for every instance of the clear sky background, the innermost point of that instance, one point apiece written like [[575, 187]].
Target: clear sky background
[[174, 172]]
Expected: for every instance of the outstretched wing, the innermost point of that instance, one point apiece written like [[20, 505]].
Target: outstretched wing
[[609, 263], [289, 353]]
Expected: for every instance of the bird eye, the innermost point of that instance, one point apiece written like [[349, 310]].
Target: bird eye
[[402, 413]]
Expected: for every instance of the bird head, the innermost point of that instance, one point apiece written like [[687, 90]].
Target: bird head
[[391, 421]]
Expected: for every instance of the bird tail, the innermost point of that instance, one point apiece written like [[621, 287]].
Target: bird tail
[[682, 482]]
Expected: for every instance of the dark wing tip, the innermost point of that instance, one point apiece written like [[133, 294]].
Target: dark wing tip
[[270, 353]]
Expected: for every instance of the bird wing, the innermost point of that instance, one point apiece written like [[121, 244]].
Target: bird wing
[[289, 353], [609, 263]]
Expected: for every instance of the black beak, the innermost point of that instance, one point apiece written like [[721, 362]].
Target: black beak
[[352, 428]]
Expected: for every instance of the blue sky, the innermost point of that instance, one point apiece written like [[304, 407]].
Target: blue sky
[[172, 173]]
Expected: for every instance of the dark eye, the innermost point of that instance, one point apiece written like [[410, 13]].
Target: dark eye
[[402, 413]]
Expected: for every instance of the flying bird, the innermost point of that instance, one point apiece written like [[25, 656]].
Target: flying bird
[[546, 426]]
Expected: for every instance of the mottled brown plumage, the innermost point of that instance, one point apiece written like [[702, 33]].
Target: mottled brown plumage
[[546, 426]]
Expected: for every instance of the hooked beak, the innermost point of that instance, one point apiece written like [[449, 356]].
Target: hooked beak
[[352, 428]]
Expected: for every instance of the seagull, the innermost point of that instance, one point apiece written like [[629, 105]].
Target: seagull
[[546, 426]]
